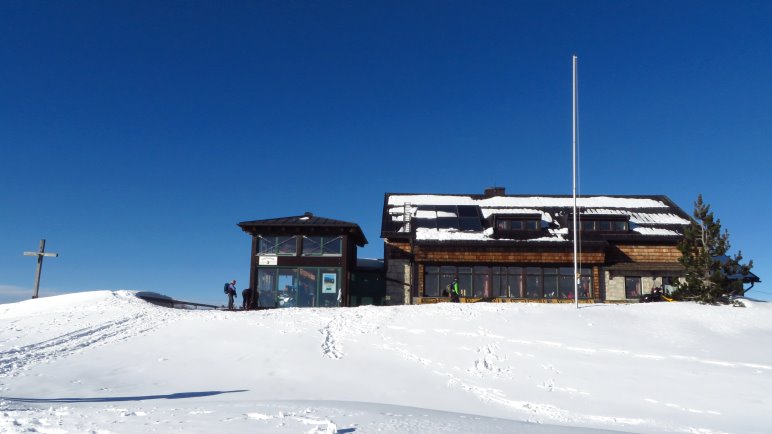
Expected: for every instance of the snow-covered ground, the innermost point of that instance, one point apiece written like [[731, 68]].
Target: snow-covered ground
[[108, 362]]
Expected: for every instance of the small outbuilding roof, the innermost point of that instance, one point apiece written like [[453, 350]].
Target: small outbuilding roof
[[746, 278], [307, 222]]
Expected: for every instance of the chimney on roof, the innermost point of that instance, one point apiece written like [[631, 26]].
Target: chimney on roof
[[494, 191], [308, 214]]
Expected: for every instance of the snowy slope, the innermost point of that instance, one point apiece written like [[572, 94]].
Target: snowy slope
[[108, 362]]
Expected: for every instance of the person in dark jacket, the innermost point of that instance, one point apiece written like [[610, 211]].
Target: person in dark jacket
[[246, 295], [248, 302], [230, 289]]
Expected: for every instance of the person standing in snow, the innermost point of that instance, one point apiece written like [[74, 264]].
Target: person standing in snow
[[247, 303], [230, 289], [454, 292]]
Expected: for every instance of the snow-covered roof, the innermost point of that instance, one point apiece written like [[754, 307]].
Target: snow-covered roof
[[648, 216], [526, 201]]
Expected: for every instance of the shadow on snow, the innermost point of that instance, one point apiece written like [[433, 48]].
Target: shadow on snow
[[181, 395]]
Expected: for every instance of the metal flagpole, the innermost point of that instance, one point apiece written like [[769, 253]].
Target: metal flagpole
[[576, 267]]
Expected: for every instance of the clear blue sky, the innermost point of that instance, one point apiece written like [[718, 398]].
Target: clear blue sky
[[135, 135]]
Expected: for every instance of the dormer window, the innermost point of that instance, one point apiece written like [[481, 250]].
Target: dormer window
[[507, 224], [517, 225], [458, 217], [601, 224]]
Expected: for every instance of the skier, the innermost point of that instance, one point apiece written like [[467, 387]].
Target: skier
[[230, 289], [454, 293]]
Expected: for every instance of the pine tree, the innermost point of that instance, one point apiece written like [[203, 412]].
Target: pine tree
[[710, 275]]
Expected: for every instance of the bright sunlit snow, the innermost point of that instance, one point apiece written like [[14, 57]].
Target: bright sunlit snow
[[108, 362]]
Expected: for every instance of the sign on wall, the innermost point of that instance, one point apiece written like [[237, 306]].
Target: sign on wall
[[328, 283], [268, 260]]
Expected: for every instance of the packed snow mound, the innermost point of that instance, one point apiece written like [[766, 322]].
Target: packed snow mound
[[108, 361]]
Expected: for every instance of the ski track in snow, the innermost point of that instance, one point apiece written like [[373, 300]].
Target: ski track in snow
[[649, 356], [18, 359]]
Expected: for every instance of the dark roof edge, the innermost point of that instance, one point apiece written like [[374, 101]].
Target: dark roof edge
[[479, 195], [279, 221], [321, 222]]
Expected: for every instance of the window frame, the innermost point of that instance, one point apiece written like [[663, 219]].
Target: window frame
[[516, 281], [517, 225], [606, 225], [324, 240], [628, 292], [305, 286], [276, 246], [464, 218]]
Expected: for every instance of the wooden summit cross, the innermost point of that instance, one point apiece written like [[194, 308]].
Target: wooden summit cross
[[40, 254]]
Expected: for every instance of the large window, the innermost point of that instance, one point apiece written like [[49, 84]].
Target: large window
[[437, 280], [632, 287], [431, 282], [507, 282], [287, 288], [533, 282], [307, 287], [298, 287], [550, 282], [585, 283], [322, 246], [447, 273], [566, 283], [266, 285], [278, 245], [465, 281], [481, 282], [515, 284]]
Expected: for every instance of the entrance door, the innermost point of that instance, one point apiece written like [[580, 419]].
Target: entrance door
[[266, 284]]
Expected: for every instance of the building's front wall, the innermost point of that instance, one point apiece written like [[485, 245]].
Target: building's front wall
[[605, 285], [406, 272], [430, 238], [295, 279]]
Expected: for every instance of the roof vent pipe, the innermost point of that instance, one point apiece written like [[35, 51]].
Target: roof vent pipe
[[494, 191]]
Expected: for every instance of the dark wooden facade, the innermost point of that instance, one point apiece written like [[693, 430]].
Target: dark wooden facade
[[625, 241], [295, 256]]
